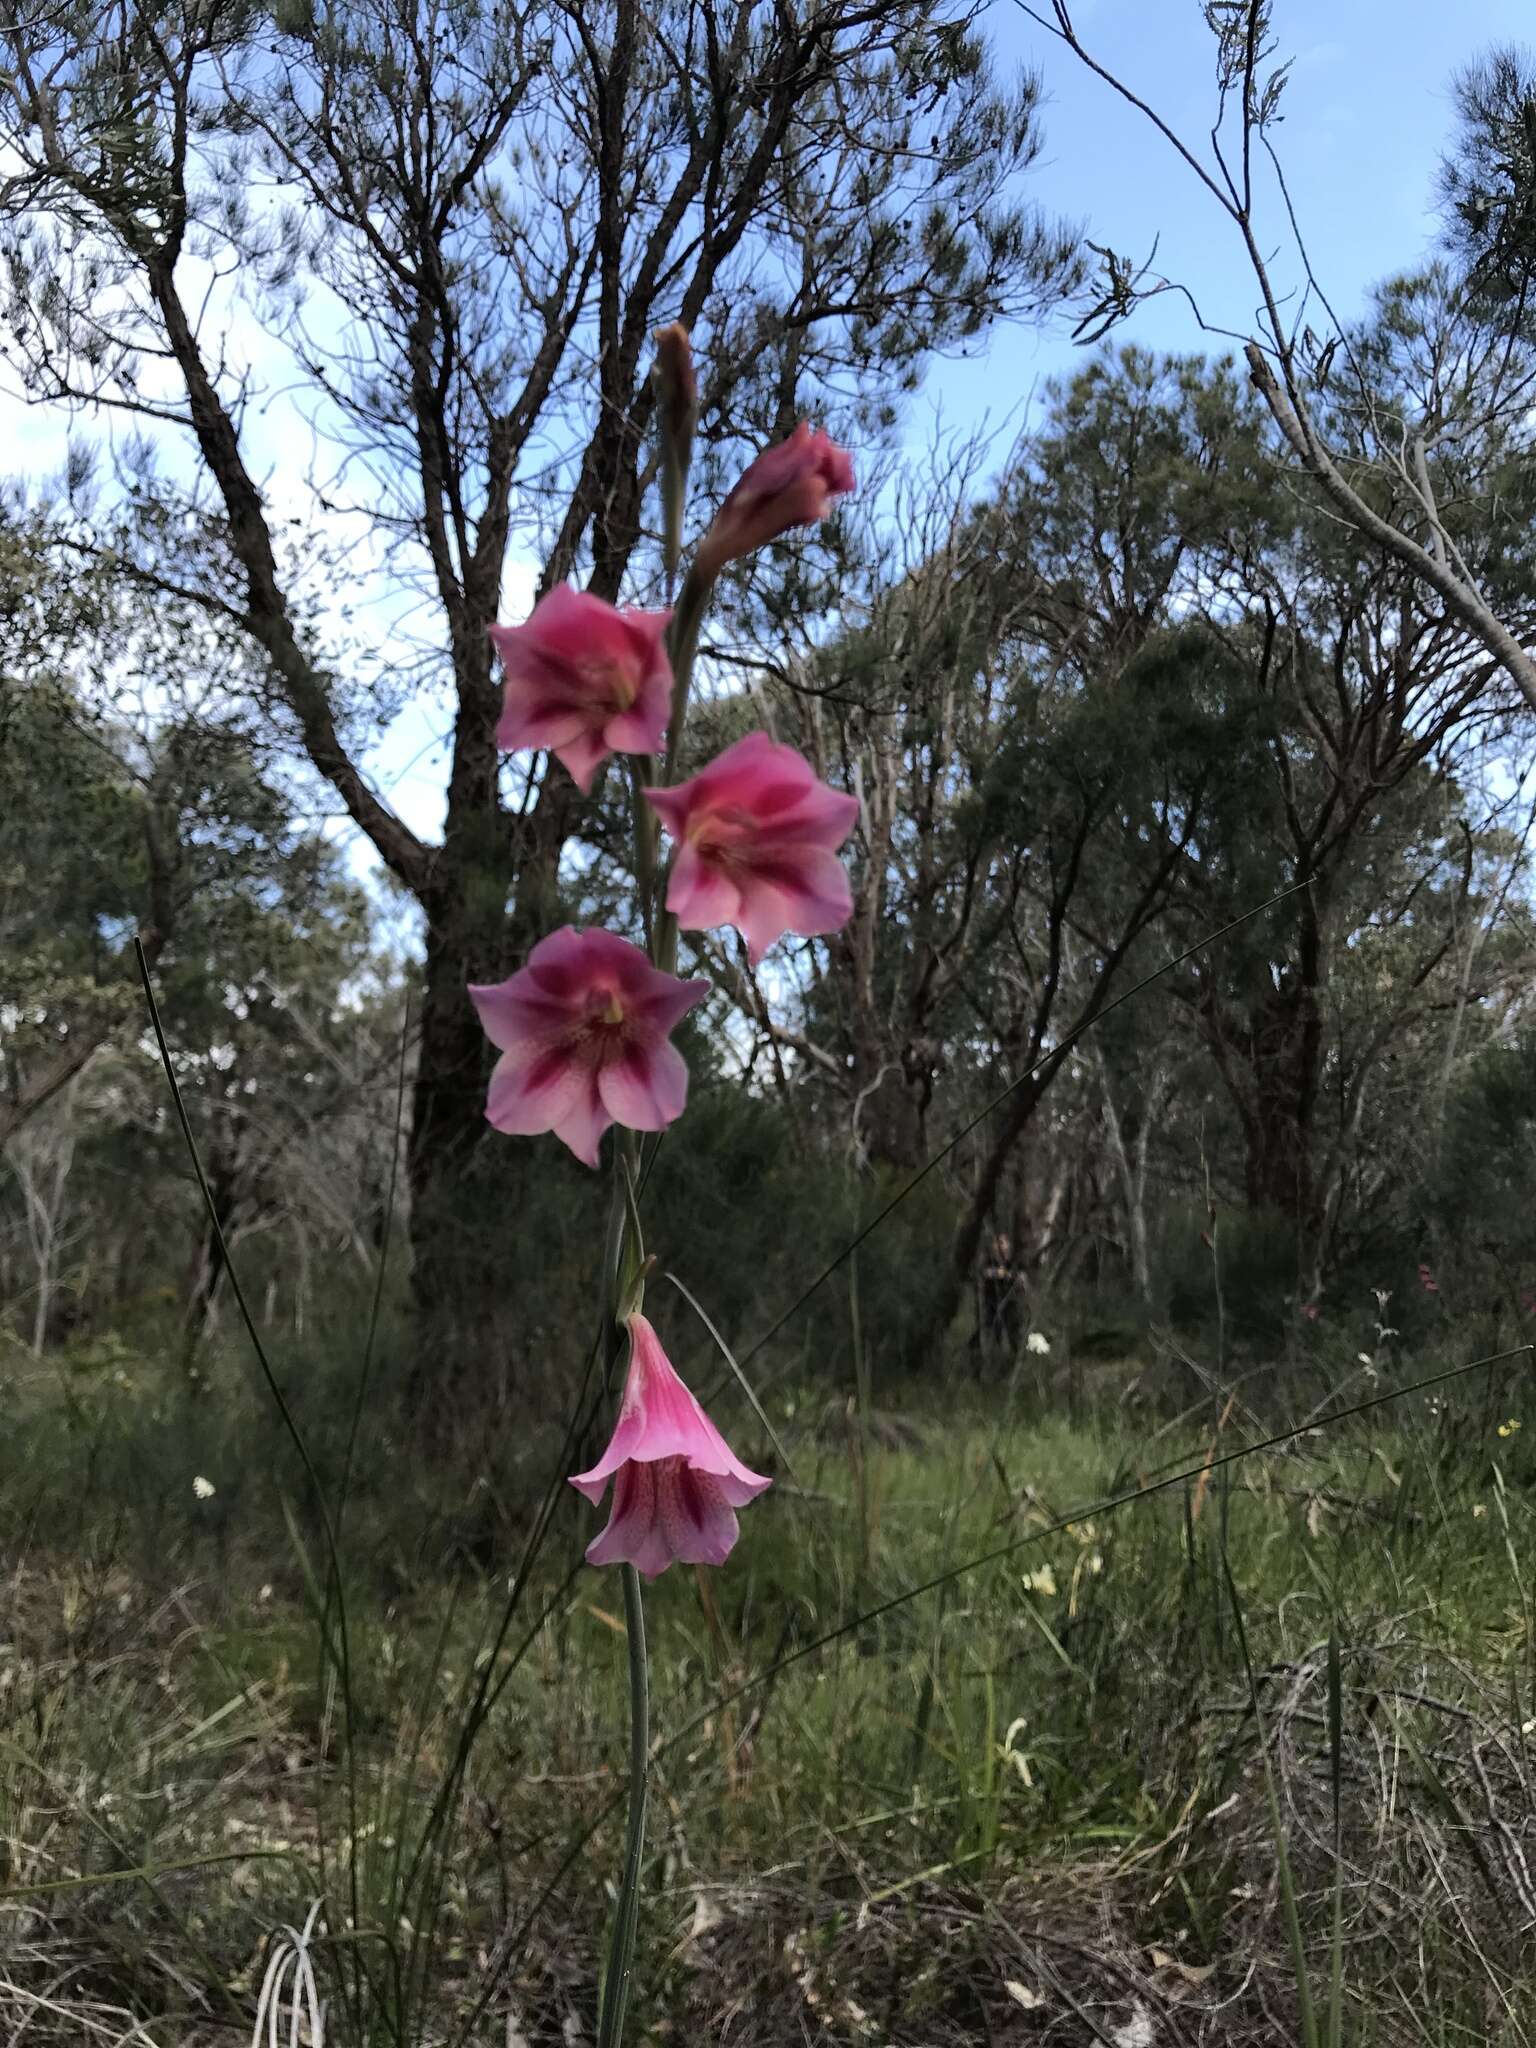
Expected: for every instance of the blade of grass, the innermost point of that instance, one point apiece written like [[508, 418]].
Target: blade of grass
[[1306, 2010], [1335, 2031]]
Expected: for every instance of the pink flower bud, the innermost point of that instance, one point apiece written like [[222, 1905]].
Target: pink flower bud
[[757, 838], [583, 1031], [676, 1482], [584, 680], [791, 485]]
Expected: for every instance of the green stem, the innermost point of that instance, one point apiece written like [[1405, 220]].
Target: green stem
[[642, 768], [621, 1951], [621, 1274], [684, 636]]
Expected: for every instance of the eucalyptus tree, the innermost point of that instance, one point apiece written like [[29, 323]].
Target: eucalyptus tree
[[1033, 764], [133, 805], [458, 225], [1373, 459]]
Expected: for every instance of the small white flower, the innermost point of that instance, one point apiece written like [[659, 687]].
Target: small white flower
[[203, 1488], [1042, 1581], [1037, 1343]]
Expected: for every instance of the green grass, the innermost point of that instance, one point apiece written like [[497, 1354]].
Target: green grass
[[1045, 1774]]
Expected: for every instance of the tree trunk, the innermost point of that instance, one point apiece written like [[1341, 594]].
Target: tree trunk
[[1284, 1071], [453, 1062], [494, 897], [967, 1240]]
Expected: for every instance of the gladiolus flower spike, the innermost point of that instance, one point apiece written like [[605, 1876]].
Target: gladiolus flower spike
[[757, 838], [584, 1036], [584, 680], [676, 1482]]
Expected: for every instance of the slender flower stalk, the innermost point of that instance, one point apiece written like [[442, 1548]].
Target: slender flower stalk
[[624, 1267], [584, 1027], [621, 1949], [678, 393]]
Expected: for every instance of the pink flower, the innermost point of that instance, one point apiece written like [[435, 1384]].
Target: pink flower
[[1311, 1311], [1428, 1281], [676, 1483], [791, 485], [756, 845], [584, 680], [582, 1031]]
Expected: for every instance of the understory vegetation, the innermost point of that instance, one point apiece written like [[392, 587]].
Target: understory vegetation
[[1026, 1804]]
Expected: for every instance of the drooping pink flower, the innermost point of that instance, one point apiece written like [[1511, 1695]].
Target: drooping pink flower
[[676, 1482], [583, 1034], [1428, 1281], [1311, 1311], [757, 838], [584, 680], [793, 484]]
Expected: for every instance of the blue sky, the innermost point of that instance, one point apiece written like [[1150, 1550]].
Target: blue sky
[[1367, 114]]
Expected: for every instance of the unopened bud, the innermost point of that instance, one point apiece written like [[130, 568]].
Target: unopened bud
[[795, 484], [677, 408]]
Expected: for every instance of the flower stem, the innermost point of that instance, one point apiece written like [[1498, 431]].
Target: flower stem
[[684, 643], [621, 1950]]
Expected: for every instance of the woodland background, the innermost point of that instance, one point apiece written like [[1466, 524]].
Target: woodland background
[[1106, 681]]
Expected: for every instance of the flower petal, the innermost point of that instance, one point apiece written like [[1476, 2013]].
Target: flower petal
[[646, 1087], [697, 1522], [584, 1123], [518, 1013], [699, 893], [665, 1004], [803, 889], [526, 725], [822, 815], [582, 755], [568, 627], [664, 1513], [659, 1417], [558, 964], [529, 1095], [672, 806], [634, 1534]]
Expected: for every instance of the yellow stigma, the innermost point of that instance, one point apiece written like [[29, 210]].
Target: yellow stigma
[[612, 1013]]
